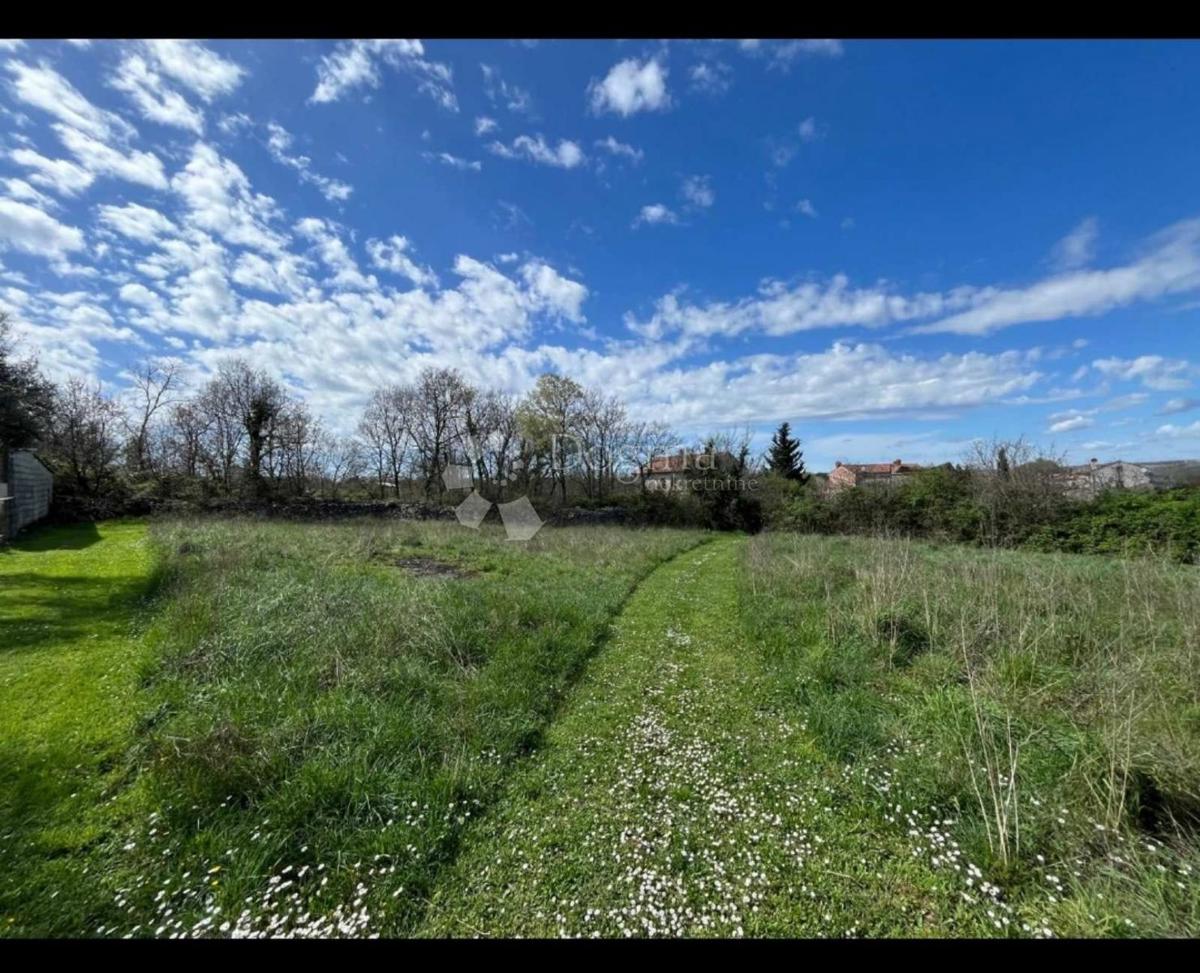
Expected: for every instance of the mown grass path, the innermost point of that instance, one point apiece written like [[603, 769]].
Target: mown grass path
[[674, 797], [69, 598]]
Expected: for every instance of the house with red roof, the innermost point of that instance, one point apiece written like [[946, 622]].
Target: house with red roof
[[845, 476]]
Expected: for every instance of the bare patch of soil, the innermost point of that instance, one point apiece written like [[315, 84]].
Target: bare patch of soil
[[428, 567]]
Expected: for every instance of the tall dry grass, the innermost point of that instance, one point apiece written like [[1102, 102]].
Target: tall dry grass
[[1053, 700]]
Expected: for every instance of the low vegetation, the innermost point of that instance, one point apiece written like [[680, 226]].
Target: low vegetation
[[1129, 524], [1046, 704], [72, 603], [248, 728], [973, 505], [309, 710], [682, 794]]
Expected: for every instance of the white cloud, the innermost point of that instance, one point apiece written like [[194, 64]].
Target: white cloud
[[48, 90], [233, 123], [1078, 247], [781, 153], [698, 191], [278, 276], [1123, 402], [1175, 406], [195, 67], [923, 447], [137, 222], [154, 99], [809, 131], [1153, 371], [847, 381], [806, 207], [1170, 431], [779, 309], [781, 54], [509, 216], [1172, 266], [335, 255], [21, 190], [631, 86], [143, 168], [483, 125], [353, 64], [63, 327], [566, 155], [279, 141], [711, 77], [500, 92], [142, 296], [220, 200], [552, 292], [454, 161], [28, 229], [393, 254], [1071, 423], [655, 213], [613, 147]]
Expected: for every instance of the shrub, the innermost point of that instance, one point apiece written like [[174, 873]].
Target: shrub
[[948, 503], [1120, 522]]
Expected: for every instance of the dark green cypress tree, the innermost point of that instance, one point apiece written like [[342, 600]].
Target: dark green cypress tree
[[785, 457]]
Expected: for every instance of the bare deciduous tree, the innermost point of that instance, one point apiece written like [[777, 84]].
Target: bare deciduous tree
[[342, 459], [84, 438], [255, 401], [649, 440], [442, 397], [1015, 483], [155, 385], [386, 428]]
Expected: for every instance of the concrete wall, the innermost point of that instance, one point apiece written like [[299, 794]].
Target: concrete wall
[[27, 490]]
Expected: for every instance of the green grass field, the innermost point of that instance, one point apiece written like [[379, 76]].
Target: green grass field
[[252, 728], [72, 601]]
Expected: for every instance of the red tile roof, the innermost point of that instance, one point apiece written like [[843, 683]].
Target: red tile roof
[[855, 470], [869, 467]]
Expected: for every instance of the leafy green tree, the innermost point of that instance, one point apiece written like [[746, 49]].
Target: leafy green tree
[[26, 397], [785, 457], [721, 484], [550, 419]]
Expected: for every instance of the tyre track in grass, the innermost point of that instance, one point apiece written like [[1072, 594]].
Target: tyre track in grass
[[680, 795]]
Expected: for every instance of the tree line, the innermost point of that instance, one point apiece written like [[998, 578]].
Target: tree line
[[243, 434]]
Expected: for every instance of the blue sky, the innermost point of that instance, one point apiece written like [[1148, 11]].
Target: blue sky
[[897, 246]]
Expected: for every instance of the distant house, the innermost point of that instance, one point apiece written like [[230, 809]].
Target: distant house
[[1093, 478], [845, 476], [674, 472], [26, 487]]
